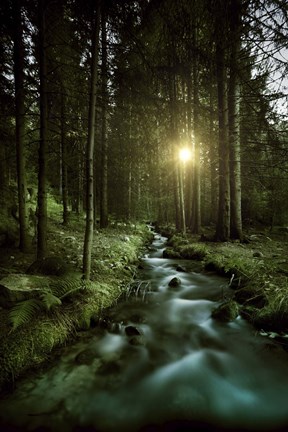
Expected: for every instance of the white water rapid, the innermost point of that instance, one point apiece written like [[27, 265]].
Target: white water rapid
[[162, 364]]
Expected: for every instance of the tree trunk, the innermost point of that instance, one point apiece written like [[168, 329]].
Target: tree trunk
[[213, 159], [88, 241], [195, 224], [42, 155], [234, 122], [64, 161], [104, 142], [174, 142], [196, 202], [181, 168], [223, 224], [24, 242], [190, 174]]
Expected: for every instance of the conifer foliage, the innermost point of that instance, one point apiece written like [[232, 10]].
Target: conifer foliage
[[108, 114]]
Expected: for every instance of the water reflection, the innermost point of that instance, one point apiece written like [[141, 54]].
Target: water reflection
[[163, 365]]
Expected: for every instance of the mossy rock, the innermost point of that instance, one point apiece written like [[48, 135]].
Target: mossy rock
[[213, 266], [19, 287], [171, 253], [53, 266], [193, 252], [226, 311]]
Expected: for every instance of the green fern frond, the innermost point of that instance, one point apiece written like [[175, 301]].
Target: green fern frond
[[66, 287], [50, 300], [23, 312], [62, 287]]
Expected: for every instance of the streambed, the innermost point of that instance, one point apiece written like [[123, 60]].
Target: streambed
[[159, 362]]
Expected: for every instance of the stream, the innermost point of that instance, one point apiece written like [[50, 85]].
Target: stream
[[159, 363]]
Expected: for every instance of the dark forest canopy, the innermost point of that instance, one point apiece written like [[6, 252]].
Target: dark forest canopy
[[206, 75]]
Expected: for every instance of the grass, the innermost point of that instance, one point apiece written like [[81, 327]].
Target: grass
[[114, 258], [260, 280]]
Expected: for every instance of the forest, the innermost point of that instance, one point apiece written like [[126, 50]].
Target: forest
[[118, 114], [97, 101]]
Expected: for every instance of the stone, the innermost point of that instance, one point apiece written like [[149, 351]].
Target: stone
[[179, 268], [132, 331], [227, 311], [19, 287], [175, 282], [171, 253]]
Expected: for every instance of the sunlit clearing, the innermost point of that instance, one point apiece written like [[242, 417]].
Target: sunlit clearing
[[184, 154]]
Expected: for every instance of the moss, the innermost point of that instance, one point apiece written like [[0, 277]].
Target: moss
[[182, 247], [227, 311], [194, 251], [31, 344], [171, 253]]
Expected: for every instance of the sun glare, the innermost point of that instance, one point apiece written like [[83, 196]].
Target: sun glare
[[184, 154]]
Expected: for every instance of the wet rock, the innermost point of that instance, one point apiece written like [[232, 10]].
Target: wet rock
[[171, 253], [226, 311], [174, 283], [179, 268], [132, 331]]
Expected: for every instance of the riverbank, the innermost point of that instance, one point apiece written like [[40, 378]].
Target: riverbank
[[256, 270], [31, 330]]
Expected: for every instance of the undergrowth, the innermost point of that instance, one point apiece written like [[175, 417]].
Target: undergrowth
[[35, 327]]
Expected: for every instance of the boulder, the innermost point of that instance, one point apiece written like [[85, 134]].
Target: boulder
[[174, 283], [19, 287], [171, 253], [132, 331], [227, 311]]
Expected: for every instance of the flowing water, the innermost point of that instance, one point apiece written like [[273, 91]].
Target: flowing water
[[161, 364]]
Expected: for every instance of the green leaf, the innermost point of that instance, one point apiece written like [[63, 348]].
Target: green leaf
[[50, 300], [23, 312]]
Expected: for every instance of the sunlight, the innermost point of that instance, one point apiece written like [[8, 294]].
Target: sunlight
[[184, 154]]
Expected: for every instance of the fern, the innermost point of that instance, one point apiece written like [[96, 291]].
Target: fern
[[23, 312], [50, 300], [64, 288]]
